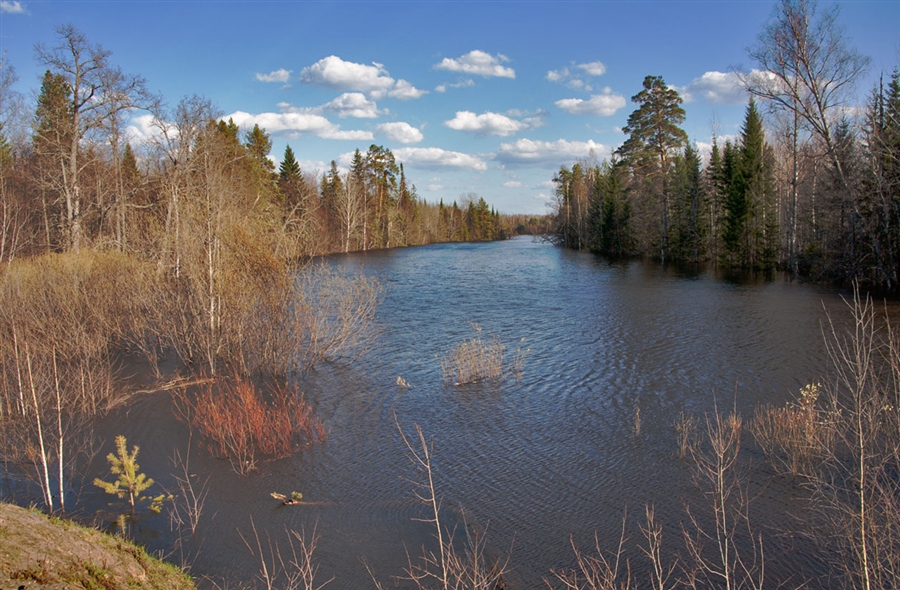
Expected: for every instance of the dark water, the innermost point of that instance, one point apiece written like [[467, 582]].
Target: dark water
[[535, 460]]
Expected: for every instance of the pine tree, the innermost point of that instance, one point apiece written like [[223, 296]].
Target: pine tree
[[654, 135], [653, 129], [130, 483]]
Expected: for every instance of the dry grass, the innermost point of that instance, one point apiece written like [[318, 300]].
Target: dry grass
[[685, 430], [796, 437], [480, 359]]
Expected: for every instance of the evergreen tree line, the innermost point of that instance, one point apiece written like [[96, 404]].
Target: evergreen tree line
[[813, 188]]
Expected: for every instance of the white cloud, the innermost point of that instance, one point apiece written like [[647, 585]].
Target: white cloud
[[716, 88], [297, 122], [464, 84], [485, 124], [603, 105], [400, 132], [438, 158], [573, 79], [281, 75], [594, 68], [353, 104], [12, 7], [333, 72], [528, 152], [351, 135], [478, 63], [403, 90], [143, 129], [558, 75], [312, 167], [435, 187], [513, 184]]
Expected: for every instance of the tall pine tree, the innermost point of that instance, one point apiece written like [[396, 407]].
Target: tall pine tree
[[654, 136]]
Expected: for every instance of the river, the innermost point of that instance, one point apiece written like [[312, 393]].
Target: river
[[529, 462]]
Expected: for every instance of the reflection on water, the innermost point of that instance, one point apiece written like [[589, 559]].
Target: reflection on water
[[533, 460]]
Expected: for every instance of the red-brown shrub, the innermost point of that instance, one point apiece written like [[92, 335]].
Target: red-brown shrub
[[239, 424]]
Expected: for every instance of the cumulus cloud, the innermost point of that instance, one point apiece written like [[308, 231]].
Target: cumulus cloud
[[400, 132], [402, 90], [716, 88], [439, 158], [485, 124], [144, 129], [478, 63], [528, 152], [464, 84], [295, 122], [337, 74], [353, 104], [281, 75], [513, 184], [604, 104], [11, 7], [594, 68]]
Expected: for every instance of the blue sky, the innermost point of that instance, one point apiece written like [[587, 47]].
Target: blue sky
[[473, 97]]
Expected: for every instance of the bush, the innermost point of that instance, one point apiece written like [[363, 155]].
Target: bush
[[243, 427], [796, 437], [473, 360]]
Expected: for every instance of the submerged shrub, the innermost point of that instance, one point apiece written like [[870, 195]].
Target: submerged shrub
[[240, 425], [795, 437], [474, 359]]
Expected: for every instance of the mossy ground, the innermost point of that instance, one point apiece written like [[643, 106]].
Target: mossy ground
[[37, 551]]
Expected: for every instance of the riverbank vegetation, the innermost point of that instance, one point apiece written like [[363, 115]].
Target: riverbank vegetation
[[189, 247], [812, 187]]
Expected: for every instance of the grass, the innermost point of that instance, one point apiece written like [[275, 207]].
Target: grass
[[480, 358]]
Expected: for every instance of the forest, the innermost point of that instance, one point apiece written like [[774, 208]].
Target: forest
[[192, 246], [810, 185]]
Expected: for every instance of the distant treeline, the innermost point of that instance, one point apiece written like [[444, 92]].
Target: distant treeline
[[69, 179], [814, 189]]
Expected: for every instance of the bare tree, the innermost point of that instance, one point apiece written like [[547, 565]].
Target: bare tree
[[98, 92], [806, 68], [177, 132]]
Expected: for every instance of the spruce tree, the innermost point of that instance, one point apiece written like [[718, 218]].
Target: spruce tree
[[259, 144], [290, 180], [750, 200], [712, 177]]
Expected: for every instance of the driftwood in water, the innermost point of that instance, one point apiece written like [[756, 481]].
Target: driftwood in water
[[295, 498]]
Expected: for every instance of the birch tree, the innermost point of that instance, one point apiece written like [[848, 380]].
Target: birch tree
[[97, 92]]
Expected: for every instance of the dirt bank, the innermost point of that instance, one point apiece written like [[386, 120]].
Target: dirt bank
[[37, 551]]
